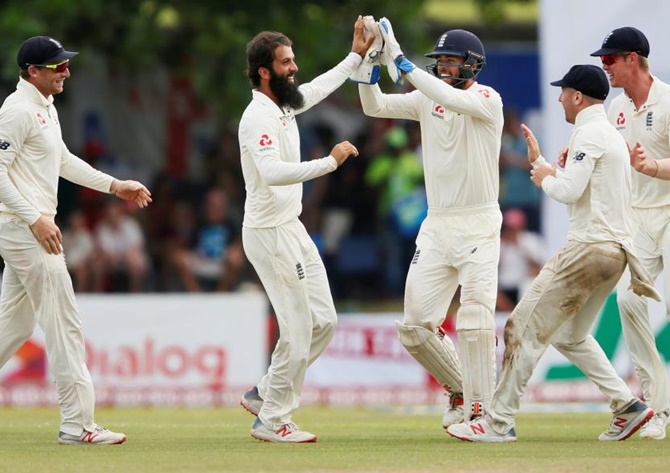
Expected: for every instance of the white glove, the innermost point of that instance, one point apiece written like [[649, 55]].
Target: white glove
[[369, 71], [392, 55]]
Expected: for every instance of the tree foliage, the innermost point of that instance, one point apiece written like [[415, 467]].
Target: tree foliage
[[204, 39]]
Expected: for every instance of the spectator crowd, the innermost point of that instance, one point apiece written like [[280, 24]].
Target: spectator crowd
[[364, 218]]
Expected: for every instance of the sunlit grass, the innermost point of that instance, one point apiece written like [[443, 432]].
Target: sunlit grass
[[350, 440]]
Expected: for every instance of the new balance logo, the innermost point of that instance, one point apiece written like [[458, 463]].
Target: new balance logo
[[284, 431], [300, 271], [477, 428], [619, 422], [4, 144], [89, 437]]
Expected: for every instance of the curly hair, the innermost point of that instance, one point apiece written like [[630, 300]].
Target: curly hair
[[261, 53]]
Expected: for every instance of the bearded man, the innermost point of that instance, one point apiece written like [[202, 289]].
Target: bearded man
[[275, 241]]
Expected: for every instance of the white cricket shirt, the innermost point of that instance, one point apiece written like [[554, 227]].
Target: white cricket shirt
[[650, 125], [33, 156], [461, 133], [596, 182], [270, 151]]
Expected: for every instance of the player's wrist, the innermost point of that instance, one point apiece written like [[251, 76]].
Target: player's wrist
[[540, 161]]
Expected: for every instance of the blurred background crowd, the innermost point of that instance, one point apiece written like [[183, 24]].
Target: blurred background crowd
[[155, 95]]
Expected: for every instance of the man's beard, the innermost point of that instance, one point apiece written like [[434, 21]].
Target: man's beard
[[287, 93]]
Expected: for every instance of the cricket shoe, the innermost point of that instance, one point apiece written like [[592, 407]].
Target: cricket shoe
[[655, 428], [98, 436], [252, 401], [287, 433], [455, 413], [479, 430], [627, 422]]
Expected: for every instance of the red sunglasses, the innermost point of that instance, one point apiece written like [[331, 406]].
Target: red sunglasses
[[58, 68], [609, 59]]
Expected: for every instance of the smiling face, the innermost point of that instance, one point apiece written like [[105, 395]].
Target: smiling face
[[448, 69], [283, 82], [570, 99], [49, 81], [618, 68]]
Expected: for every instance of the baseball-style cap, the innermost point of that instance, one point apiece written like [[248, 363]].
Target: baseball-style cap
[[588, 79], [622, 40], [42, 50]]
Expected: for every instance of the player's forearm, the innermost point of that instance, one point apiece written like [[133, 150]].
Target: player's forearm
[[657, 168]]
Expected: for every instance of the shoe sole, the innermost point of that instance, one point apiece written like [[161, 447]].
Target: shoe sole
[[268, 440], [79, 442], [500, 440], [248, 407]]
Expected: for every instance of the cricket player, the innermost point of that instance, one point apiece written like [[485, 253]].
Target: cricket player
[[566, 297], [36, 286], [459, 241], [275, 241], [642, 116]]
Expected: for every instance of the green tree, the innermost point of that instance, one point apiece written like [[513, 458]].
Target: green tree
[[201, 39]]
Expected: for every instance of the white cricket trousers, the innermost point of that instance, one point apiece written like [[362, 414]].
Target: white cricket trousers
[[36, 288], [560, 308], [454, 246], [294, 277], [652, 244]]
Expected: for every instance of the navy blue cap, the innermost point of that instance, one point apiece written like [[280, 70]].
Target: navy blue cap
[[42, 50], [588, 79], [626, 39]]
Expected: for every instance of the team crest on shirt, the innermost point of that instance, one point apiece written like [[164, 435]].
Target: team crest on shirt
[[40, 119], [485, 93], [649, 121], [438, 111]]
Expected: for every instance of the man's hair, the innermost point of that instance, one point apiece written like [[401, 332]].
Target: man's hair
[[25, 74], [261, 53], [644, 63]]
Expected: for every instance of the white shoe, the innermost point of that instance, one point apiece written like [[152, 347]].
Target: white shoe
[[287, 433], [454, 414], [655, 428], [627, 422], [479, 430], [252, 401], [99, 436]]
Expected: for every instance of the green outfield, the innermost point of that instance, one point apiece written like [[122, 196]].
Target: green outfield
[[350, 440]]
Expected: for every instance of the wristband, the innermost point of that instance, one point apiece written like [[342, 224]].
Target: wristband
[[540, 161]]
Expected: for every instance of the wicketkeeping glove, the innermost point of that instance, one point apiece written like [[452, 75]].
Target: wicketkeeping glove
[[392, 55], [369, 71]]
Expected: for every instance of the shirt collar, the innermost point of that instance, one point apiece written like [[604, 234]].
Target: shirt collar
[[589, 113], [653, 96], [267, 102], [30, 92]]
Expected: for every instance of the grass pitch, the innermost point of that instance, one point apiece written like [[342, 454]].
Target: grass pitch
[[163, 440]]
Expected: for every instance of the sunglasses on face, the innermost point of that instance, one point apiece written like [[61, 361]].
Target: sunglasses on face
[[58, 68], [609, 59]]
